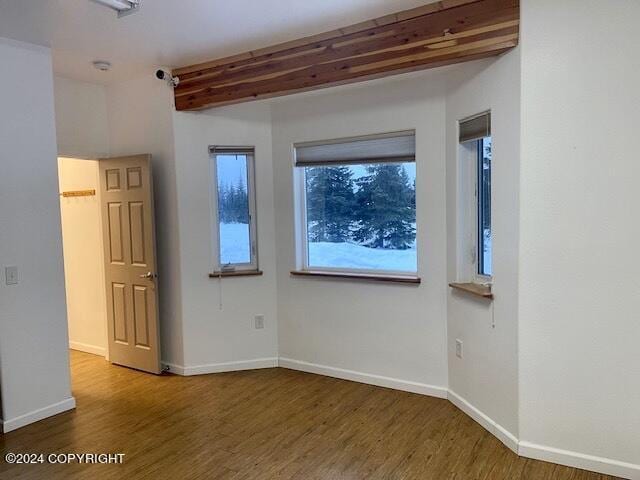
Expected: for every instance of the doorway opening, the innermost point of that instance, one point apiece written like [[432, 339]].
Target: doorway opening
[[82, 242], [108, 238]]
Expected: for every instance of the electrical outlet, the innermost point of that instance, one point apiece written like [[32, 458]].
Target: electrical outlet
[[11, 275], [458, 348], [258, 321]]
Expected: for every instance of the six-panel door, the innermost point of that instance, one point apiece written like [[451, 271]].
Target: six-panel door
[[130, 262]]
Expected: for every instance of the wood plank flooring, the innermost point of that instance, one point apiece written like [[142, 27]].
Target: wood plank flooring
[[263, 424]]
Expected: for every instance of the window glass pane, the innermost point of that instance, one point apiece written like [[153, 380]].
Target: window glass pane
[[484, 206], [362, 216], [233, 209]]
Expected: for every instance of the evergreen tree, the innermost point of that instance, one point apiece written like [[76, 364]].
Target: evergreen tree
[[413, 200], [386, 208], [485, 145], [330, 203], [233, 203], [223, 204], [240, 206]]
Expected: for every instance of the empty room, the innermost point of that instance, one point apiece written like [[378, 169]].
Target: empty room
[[337, 239]]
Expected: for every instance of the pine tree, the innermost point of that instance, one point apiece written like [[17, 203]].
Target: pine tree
[[223, 204], [233, 203], [485, 145], [330, 203], [386, 208], [240, 206]]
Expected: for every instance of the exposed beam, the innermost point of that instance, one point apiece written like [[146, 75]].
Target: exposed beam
[[441, 33]]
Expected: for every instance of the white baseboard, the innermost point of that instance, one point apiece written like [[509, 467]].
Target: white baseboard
[[254, 364], [602, 465], [523, 448], [39, 414], [85, 347], [497, 430], [388, 382], [548, 454], [172, 368]]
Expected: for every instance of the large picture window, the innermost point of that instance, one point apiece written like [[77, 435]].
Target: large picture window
[[358, 204], [234, 222]]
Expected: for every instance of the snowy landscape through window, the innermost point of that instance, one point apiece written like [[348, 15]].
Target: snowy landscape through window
[[475, 138], [232, 174], [360, 204], [484, 206]]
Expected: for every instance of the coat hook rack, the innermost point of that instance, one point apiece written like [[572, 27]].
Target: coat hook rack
[[78, 193]]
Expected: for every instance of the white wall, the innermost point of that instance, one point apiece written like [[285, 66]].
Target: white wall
[[212, 335], [34, 376], [487, 375], [140, 121], [81, 119], [82, 129], [384, 330], [566, 272], [579, 285], [83, 257]]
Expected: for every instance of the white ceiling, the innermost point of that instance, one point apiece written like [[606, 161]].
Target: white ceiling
[[173, 32]]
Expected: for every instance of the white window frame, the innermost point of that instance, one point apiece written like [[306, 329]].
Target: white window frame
[[252, 265], [480, 277], [302, 248], [469, 215]]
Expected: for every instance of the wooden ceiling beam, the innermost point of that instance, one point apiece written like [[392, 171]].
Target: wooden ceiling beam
[[441, 33]]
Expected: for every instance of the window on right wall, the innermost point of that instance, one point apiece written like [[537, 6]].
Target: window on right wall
[[476, 142], [483, 206]]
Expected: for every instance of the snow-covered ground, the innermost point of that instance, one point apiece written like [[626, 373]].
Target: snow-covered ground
[[350, 255], [234, 242], [488, 251]]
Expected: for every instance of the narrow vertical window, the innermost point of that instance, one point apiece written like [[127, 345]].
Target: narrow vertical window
[[234, 210], [484, 206], [475, 137]]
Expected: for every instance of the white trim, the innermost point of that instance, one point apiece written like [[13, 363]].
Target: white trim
[[302, 234], [558, 456], [172, 368], [300, 194], [522, 448], [497, 430], [85, 347], [39, 414], [254, 364], [215, 217], [592, 463], [526, 449], [387, 382]]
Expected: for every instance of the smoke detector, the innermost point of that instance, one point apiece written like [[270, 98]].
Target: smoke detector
[[123, 7], [102, 65]]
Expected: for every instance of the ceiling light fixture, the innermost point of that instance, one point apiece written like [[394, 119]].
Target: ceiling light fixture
[[123, 7], [102, 65]]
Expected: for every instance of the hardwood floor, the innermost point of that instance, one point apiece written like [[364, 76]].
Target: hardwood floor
[[262, 424]]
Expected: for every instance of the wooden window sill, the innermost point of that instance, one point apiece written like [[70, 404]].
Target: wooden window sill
[[476, 289], [239, 273], [358, 276]]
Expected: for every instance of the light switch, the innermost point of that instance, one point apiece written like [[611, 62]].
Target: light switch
[[11, 275]]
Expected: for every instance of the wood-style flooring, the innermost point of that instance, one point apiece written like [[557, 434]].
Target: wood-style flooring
[[262, 424]]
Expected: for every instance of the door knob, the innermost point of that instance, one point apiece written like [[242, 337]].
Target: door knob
[[148, 275]]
